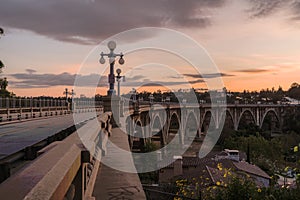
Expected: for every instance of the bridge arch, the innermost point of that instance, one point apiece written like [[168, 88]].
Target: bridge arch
[[208, 120], [273, 111], [228, 117], [191, 126], [247, 113], [157, 124], [137, 138], [270, 123], [156, 120], [174, 126], [156, 132], [229, 125]]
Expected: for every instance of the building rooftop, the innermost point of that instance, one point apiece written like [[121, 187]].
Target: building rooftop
[[212, 168], [251, 169]]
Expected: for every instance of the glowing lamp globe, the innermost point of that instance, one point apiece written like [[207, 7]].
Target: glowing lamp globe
[[111, 45]]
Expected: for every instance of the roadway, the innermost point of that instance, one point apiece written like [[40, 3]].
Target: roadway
[[16, 136]]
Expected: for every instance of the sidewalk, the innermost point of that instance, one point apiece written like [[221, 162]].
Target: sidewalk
[[112, 184]]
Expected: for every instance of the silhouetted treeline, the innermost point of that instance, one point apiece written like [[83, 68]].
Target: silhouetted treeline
[[274, 96]]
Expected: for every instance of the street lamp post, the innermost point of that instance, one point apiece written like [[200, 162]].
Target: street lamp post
[[66, 92], [133, 94], [151, 98], [111, 77], [119, 77], [73, 103], [1, 63]]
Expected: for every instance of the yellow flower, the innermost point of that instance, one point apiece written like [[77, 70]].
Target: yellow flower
[[286, 169], [218, 183], [258, 190], [219, 166]]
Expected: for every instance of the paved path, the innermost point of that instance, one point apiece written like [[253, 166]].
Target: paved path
[[16, 136], [113, 184]]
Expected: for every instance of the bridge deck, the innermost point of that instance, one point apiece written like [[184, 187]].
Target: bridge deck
[[114, 184], [17, 136]]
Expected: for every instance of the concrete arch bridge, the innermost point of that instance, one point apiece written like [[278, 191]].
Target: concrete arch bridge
[[161, 123]]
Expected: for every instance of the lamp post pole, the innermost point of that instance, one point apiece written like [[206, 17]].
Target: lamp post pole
[[73, 103], [66, 92], [151, 98], [111, 77], [119, 77]]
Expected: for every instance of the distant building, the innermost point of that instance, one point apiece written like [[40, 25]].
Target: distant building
[[291, 101], [228, 154], [211, 169]]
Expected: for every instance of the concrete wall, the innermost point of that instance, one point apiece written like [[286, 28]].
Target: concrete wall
[[61, 171]]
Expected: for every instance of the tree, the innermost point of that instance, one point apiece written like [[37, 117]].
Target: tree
[[294, 91], [294, 85], [3, 81], [1, 63], [1, 66]]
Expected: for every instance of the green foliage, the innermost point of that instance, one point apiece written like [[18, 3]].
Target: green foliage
[[149, 177], [262, 152], [294, 91], [240, 189], [150, 146], [291, 122], [3, 91], [1, 65], [237, 189]]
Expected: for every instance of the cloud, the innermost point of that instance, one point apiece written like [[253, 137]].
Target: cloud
[[87, 22], [30, 71], [149, 83], [214, 75], [37, 80], [254, 71], [295, 10], [262, 8], [30, 80]]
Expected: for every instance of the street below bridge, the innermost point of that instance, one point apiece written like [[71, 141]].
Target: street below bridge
[[16, 136]]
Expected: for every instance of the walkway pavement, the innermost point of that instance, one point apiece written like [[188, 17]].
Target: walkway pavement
[[112, 184]]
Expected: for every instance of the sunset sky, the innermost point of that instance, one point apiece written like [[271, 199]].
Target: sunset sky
[[254, 43]]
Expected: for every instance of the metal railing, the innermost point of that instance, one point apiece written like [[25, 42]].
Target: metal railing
[[45, 102], [25, 108]]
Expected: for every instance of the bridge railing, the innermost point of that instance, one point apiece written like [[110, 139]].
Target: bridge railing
[[25, 108], [65, 170], [30, 102], [45, 102]]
